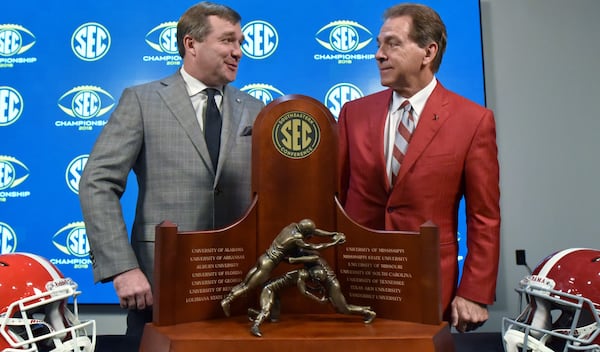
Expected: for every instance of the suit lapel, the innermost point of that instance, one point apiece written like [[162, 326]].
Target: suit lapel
[[232, 115], [433, 117], [177, 100], [376, 131]]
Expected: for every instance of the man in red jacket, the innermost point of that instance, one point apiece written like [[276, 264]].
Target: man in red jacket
[[446, 149]]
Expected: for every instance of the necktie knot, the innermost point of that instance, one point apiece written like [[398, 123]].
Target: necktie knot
[[405, 105], [211, 92]]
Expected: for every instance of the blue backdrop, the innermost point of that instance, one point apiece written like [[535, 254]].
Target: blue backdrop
[[63, 66]]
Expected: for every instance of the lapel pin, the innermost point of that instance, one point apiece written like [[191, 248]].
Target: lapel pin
[[238, 100]]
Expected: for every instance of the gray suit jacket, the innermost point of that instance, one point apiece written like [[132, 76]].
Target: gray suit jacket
[[154, 131]]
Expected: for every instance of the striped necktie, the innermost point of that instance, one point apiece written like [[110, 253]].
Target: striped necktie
[[403, 134]]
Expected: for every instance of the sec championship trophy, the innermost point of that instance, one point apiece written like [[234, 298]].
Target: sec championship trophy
[[395, 274]]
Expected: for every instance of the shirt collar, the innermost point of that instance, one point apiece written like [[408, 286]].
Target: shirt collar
[[193, 85], [417, 101]]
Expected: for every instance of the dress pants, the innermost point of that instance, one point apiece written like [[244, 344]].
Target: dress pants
[[136, 320]]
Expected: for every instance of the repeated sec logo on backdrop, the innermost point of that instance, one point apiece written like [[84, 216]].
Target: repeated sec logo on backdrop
[[345, 39], [15, 40], [13, 173], [340, 94], [8, 239], [163, 39], [91, 41], [72, 241], [261, 39], [263, 92], [86, 104], [74, 171], [11, 105]]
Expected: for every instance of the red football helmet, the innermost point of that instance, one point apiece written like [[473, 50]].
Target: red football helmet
[[33, 308], [562, 298]]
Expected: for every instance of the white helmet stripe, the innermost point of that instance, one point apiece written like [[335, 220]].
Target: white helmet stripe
[[43, 262], [555, 258]]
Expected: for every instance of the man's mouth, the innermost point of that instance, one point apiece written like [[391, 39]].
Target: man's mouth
[[231, 66]]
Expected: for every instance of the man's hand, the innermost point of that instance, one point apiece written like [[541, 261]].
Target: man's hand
[[467, 315], [133, 290]]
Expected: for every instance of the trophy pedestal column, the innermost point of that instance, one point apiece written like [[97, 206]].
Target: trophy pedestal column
[[305, 332]]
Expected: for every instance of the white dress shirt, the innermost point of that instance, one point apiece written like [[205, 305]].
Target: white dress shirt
[[195, 89]]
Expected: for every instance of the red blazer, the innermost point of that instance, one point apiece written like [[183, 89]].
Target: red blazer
[[452, 154]]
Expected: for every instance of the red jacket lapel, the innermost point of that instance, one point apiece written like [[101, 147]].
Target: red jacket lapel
[[433, 117]]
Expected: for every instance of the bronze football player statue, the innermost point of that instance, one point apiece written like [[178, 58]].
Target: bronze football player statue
[[288, 243], [315, 280]]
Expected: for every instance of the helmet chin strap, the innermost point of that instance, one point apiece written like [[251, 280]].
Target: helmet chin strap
[[55, 319], [77, 342], [541, 317], [514, 340], [533, 340]]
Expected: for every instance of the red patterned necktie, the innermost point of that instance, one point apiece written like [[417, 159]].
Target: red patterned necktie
[[403, 134]]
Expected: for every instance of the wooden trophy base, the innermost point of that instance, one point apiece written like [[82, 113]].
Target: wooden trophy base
[[316, 332]]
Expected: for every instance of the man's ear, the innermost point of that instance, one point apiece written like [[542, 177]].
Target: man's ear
[[189, 44], [431, 51]]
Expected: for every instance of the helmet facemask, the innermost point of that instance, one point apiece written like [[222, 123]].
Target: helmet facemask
[[551, 320], [43, 322]]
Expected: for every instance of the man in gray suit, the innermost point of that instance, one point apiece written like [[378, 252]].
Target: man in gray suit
[[157, 131]]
